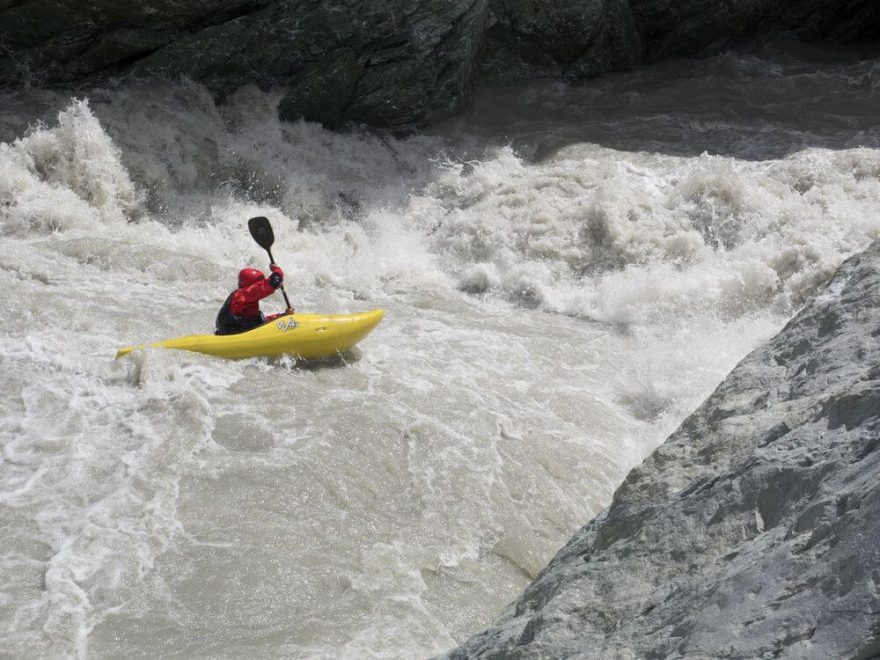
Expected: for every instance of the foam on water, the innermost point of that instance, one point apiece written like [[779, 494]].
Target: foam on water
[[549, 321]]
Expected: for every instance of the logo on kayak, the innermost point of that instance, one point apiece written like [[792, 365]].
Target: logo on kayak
[[286, 324]]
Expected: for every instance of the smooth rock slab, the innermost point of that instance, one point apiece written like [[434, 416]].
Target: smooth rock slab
[[754, 531]]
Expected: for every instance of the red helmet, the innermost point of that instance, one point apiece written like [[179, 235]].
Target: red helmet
[[248, 276]]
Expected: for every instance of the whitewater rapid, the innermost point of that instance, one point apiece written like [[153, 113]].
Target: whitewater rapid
[[566, 273]]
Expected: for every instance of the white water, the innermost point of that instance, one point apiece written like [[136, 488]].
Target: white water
[[566, 274]]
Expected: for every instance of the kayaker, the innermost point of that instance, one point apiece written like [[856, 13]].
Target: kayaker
[[241, 311]]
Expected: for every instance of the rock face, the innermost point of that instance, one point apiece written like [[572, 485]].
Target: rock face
[[385, 63], [753, 531], [581, 39], [585, 38], [389, 62], [680, 29]]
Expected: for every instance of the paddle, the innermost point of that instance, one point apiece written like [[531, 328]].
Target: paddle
[[262, 232]]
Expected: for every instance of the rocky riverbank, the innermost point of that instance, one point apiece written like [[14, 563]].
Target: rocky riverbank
[[385, 64], [752, 532]]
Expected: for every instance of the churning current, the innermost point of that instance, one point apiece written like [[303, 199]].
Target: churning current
[[566, 272]]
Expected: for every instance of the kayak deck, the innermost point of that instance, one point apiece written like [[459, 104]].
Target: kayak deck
[[306, 336]]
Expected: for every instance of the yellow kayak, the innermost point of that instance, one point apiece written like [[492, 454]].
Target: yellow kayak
[[303, 335]]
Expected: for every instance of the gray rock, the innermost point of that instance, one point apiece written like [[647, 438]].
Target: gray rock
[[694, 27], [585, 38], [390, 62], [63, 41], [581, 39], [381, 63], [753, 531]]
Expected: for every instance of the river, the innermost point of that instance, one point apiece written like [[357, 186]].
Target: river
[[567, 271]]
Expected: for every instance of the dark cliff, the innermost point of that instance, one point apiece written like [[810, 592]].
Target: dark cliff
[[386, 63]]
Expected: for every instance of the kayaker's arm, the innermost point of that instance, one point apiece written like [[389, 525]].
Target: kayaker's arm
[[250, 295]]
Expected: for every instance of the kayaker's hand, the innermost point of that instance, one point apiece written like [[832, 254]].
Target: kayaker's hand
[[289, 310], [277, 276]]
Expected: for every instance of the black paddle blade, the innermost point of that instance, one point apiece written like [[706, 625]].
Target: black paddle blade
[[262, 232]]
